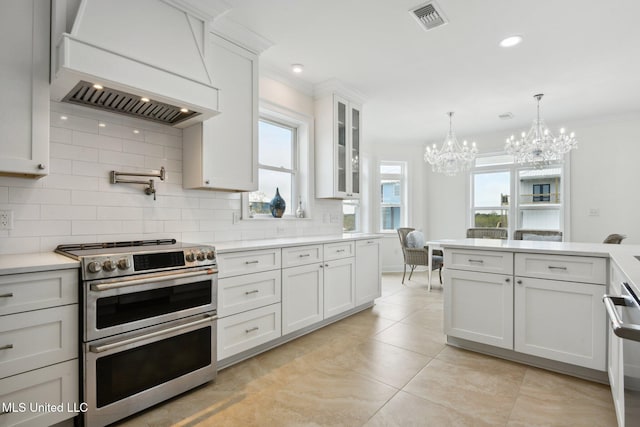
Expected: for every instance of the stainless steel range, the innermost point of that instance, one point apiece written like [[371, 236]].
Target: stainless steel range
[[148, 323]]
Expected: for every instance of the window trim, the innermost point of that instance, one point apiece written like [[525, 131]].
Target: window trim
[[514, 168], [301, 184], [403, 205]]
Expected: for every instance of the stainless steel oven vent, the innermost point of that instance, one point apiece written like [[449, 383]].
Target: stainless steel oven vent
[[428, 15], [84, 93]]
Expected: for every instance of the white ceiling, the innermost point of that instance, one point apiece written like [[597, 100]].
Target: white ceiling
[[584, 55]]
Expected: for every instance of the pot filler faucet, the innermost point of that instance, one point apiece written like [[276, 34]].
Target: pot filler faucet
[[151, 189]]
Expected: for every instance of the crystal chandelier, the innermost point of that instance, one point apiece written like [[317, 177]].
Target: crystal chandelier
[[452, 157], [539, 147]]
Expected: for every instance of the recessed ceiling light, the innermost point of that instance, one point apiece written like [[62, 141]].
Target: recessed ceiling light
[[136, 131], [102, 125], [63, 117], [297, 68], [97, 86], [184, 110], [144, 99], [511, 41]]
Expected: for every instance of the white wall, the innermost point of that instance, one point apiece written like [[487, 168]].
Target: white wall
[[76, 202], [605, 171]]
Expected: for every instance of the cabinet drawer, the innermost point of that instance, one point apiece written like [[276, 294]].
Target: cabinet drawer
[[32, 291], [338, 250], [242, 293], [244, 331], [562, 267], [35, 339], [246, 262], [301, 255], [54, 385], [487, 261]]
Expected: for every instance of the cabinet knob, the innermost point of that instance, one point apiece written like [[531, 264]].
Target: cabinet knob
[[42, 166], [519, 282], [507, 280], [207, 181]]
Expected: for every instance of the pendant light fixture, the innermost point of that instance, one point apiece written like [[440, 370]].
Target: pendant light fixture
[[452, 157], [539, 147]]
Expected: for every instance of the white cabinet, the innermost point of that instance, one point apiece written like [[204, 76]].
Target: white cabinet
[[479, 307], [302, 296], [222, 152], [24, 128], [249, 295], [560, 320], [338, 132], [545, 305], [615, 360], [339, 286], [368, 271], [39, 345]]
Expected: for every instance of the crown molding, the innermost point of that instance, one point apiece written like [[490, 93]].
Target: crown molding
[[229, 29], [207, 10], [334, 85]]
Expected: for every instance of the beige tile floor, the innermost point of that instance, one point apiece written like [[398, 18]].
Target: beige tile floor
[[386, 366]]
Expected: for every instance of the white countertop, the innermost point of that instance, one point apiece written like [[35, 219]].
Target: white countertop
[[622, 255], [242, 245], [29, 263]]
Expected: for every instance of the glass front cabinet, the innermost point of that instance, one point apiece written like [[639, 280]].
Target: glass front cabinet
[[338, 132]]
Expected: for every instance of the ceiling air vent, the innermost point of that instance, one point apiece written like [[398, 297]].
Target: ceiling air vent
[[429, 16], [116, 101]]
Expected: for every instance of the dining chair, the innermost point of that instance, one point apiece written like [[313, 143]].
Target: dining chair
[[487, 233], [615, 238], [415, 256], [548, 235]]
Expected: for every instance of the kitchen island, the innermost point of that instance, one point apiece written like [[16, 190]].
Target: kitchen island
[[536, 302]]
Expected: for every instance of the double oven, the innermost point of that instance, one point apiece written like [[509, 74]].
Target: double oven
[[148, 323]]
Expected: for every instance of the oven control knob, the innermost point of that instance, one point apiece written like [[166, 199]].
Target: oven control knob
[[94, 267], [200, 256], [124, 264], [211, 255], [108, 265], [190, 257]]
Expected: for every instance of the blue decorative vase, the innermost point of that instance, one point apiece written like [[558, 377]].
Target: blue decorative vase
[[277, 205]]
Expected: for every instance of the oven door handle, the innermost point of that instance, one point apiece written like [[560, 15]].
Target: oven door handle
[[107, 285], [627, 331], [106, 347]]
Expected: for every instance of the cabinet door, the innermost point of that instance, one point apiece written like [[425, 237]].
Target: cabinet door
[[368, 278], [302, 296], [479, 307], [342, 154], [562, 321], [222, 152], [244, 331], [24, 128], [339, 286], [354, 157]]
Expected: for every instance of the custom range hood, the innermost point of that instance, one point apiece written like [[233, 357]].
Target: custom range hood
[[142, 58]]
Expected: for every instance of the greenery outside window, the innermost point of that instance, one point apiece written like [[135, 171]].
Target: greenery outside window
[[351, 216]]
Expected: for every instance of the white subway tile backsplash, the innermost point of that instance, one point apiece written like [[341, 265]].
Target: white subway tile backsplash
[[73, 152], [43, 196], [121, 159], [60, 135], [62, 166], [124, 213], [40, 228], [145, 148], [97, 227], [69, 212], [76, 203], [70, 182]]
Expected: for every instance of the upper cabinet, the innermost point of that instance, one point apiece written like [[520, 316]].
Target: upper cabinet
[[338, 133], [222, 153], [24, 128]]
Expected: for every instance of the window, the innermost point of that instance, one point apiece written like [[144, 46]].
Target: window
[[392, 195], [277, 167], [351, 216], [505, 194]]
